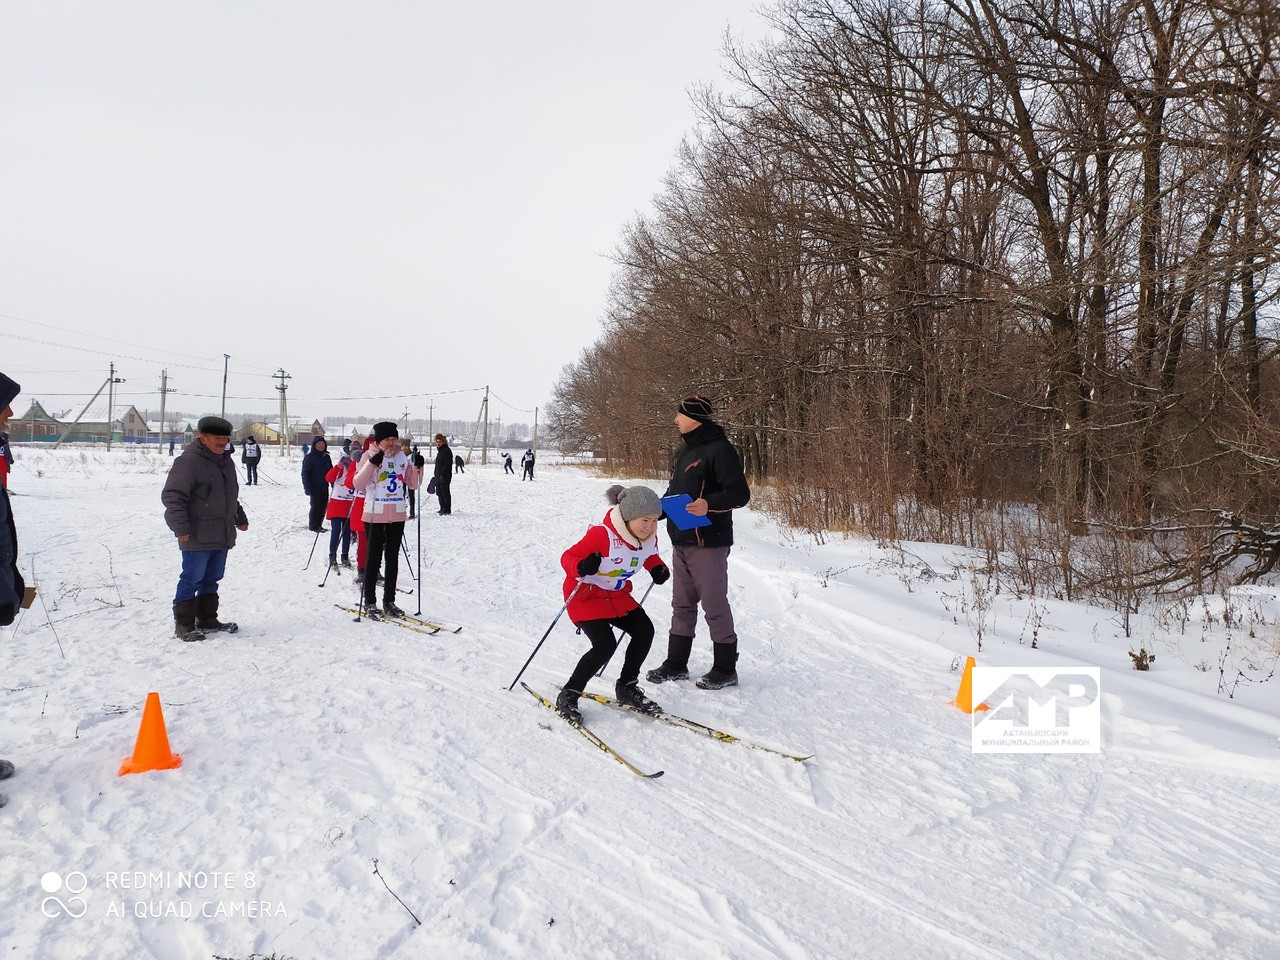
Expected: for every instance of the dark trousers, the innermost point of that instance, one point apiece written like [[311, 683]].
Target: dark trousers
[[384, 544], [508, 468], [528, 472], [319, 503], [603, 643], [700, 575], [444, 495], [250, 472], [339, 533], [413, 503]]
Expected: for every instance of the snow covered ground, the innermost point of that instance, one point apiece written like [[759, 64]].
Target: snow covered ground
[[313, 746]]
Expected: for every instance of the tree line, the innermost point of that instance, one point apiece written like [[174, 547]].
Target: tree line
[[945, 255]]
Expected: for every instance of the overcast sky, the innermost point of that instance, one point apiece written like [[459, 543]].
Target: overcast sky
[[404, 200]]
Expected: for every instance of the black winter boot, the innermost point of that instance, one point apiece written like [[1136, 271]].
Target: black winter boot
[[631, 695], [567, 706], [676, 666], [724, 673], [184, 621], [207, 612]]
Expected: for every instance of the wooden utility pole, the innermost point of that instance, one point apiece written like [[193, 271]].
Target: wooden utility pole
[[165, 390], [112, 380], [285, 440]]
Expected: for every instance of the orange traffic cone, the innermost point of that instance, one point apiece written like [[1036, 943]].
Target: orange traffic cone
[[964, 696], [151, 752]]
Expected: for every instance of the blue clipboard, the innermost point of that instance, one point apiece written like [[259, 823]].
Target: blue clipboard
[[674, 507]]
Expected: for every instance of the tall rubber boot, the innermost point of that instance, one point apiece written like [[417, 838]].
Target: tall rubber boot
[[184, 621], [724, 673], [676, 666], [207, 611]]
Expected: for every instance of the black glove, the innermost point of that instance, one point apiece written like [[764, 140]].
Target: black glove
[[590, 564], [376, 458], [661, 574], [419, 460]]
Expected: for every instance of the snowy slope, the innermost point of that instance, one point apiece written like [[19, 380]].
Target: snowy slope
[[314, 746]]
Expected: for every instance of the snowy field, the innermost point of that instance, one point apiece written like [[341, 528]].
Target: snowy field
[[314, 747]]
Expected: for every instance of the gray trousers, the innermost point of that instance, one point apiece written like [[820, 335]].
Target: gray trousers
[[700, 575]]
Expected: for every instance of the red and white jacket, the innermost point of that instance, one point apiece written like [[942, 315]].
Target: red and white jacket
[[607, 593], [342, 492], [384, 485]]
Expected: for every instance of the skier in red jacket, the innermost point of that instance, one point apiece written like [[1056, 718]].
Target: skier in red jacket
[[597, 588]]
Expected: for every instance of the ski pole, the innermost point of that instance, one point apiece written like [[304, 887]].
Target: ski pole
[[544, 637], [350, 535], [404, 548], [419, 511], [313, 550], [600, 672]]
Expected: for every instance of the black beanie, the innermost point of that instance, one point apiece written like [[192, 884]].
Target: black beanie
[[384, 429], [695, 408], [9, 391]]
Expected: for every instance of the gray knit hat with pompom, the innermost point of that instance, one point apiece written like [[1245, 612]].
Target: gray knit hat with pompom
[[635, 501]]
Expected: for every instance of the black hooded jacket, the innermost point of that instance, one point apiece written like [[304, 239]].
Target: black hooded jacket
[[707, 467]]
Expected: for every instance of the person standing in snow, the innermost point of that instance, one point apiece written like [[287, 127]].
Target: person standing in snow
[[12, 587], [708, 469], [202, 507], [412, 494], [443, 475], [356, 517], [459, 465], [6, 459], [506, 464], [315, 466], [250, 456], [598, 570], [385, 473], [342, 495], [526, 465]]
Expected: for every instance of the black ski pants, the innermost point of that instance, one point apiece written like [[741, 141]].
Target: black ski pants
[[384, 541], [319, 504], [636, 624]]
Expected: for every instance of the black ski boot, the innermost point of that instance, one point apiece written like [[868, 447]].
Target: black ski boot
[[567, 707], [391, 610], [676, 666], [631, 695], [207, 613], [724, 673], [184, 621]]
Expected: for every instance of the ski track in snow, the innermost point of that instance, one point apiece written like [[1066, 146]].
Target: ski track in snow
[[313, 745]]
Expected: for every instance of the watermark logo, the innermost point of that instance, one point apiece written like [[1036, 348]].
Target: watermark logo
[[73, 884], [1037, 710]]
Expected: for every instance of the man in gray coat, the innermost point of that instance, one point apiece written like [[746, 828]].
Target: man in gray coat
[[12, 587], [202, 507]]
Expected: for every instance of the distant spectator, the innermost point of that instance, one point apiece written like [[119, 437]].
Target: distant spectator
[[6, 459], [250, 455], [458, 464], [315, 467], [506, 464], [526, 463], [443, 475]]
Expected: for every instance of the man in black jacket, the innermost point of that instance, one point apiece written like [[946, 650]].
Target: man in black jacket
[[202, 507], [444, 475], [315, 468], [708, 469]]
